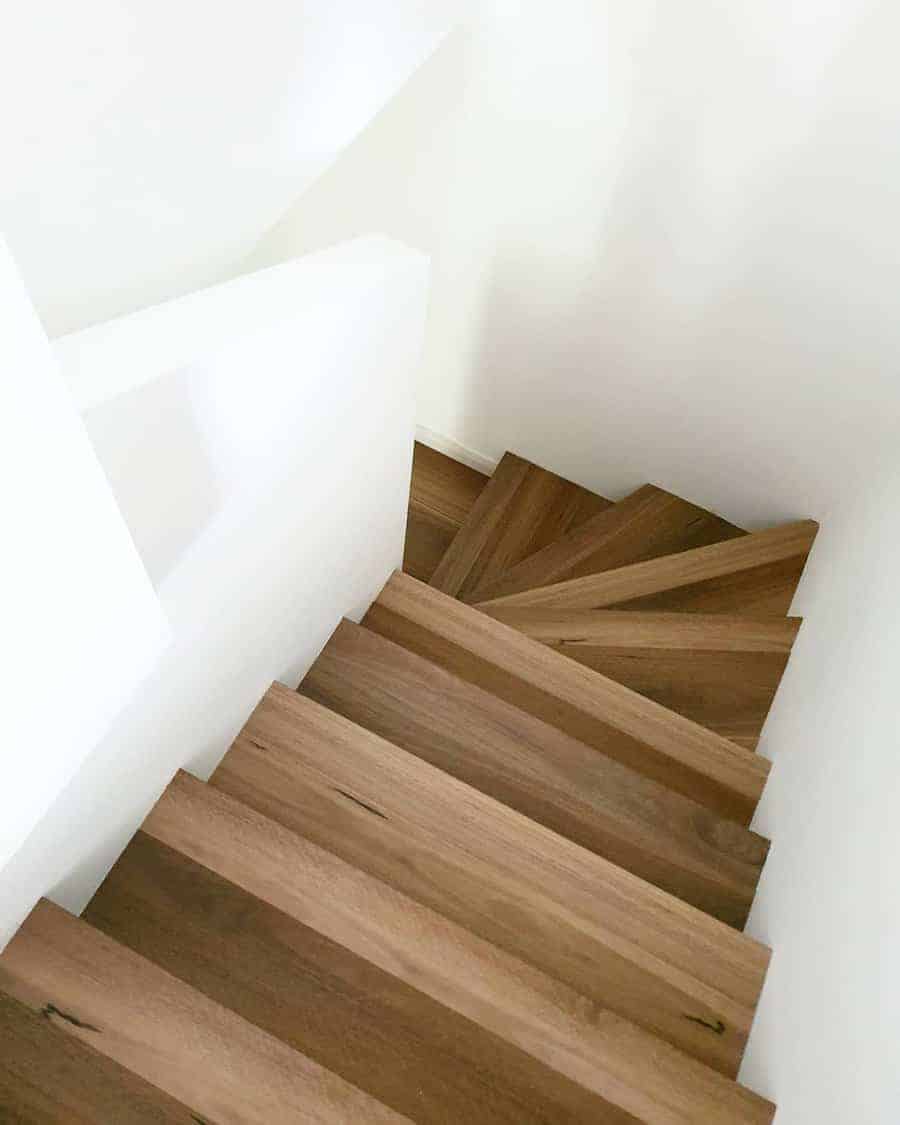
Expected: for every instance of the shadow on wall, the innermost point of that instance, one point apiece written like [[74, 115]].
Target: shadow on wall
[[151, 445]]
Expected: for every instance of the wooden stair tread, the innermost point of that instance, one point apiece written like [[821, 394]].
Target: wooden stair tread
[[168, 1033], [639, 1076], [47, 1076], [520, 511], [756, 574], [646, 954], [545, 774], [607, 715], [442, 492], [645, 525], [721, 671], [379, 1033]]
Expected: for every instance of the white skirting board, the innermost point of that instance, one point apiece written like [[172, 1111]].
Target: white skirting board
[[462, 453]]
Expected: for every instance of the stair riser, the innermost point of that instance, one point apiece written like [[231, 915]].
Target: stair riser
[[319, 998], [534, 768], [638, 1073], [728, 802], [521, 510], [536, 894], [170, 1035], [645, 525]]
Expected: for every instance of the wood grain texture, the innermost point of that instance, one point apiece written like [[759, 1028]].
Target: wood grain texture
[[638, 1075], [652, 958], [719, 670], [441, 488], [50, 1078], [663, 837], [521, 510], [442, 492], [756, 574], [392, 1040], [648, 738], [168, 1033], [645, 525]]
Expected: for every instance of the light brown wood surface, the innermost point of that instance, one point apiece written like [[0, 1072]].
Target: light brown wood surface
[[168, 1033], [442, 492], [645, 525], [642, 952], [626, 726], [756, 574], [719, 670], [521, 510], [379, 1033], [530, 766], [50, 1078], [636, 1073]]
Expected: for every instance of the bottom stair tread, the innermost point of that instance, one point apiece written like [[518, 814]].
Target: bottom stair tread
[[637, 1075], [47, 1076], [168, 1033], [382, 1035]]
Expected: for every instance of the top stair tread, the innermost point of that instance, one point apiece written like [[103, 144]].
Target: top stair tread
[[755, 574], [168, 1033], [639, 1076], [520, 511], [382, 1035], [48, 1076], [646, 524]]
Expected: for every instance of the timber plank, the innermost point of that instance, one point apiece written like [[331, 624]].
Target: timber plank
[[385, 1037], [642, 952], [168, 1033], [521, 510], [634, 730], [49, 1077], [567, 786], [635, 1072], [645, 525]]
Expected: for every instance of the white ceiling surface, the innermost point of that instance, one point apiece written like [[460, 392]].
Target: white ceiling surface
[[145, 145]]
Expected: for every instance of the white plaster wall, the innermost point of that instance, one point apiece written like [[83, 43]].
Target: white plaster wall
[[666, 247], [145, 145], [81, 624], [264, 476]]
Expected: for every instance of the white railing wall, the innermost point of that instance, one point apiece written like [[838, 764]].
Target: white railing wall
[[82, 625], [260, 454]]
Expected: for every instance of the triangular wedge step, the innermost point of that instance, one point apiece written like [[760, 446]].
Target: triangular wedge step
[[168, 1033], [719, 670], [567, 786], [648, 523], [640, 1077], [521, 510], [386, 1037], [653, 959], [442, 492], [634, 730], [756, 574], [48, 1076]]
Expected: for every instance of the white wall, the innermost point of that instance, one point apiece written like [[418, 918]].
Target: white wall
[[264, 476], [666, 247], [82, 626], [145, 145]]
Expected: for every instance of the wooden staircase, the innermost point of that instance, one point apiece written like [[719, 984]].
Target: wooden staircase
[[490, 863]]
